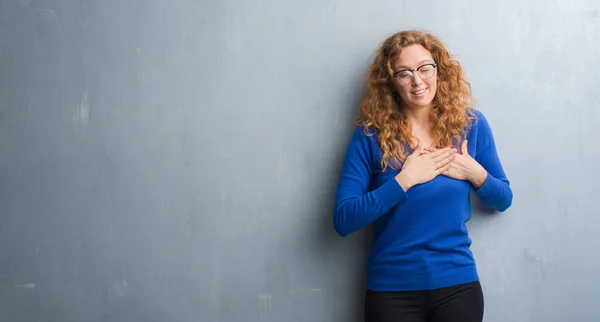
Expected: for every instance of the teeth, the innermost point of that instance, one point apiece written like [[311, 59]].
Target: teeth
[[420, 92]]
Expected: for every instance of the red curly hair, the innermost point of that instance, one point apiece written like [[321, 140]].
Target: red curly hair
[[381, 107]]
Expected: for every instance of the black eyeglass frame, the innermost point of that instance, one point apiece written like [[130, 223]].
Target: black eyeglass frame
[[412, 71]]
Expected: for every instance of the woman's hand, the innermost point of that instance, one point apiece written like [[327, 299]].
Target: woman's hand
[[464, 167], [422, 166]]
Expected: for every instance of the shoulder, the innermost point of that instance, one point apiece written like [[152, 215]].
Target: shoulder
[[480, 136], [364, 135], [480, 117], [480, 124], [363, 143]]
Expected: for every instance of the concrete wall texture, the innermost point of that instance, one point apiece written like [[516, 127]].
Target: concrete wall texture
[[177, 160]]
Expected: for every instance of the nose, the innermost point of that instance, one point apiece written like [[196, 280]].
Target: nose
[[416, 79]]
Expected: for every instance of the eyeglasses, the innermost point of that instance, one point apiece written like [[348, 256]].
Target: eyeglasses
[[405, 76]]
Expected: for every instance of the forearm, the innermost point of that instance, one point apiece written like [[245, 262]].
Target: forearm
[[492, 187], [495, 193], [355, 210]]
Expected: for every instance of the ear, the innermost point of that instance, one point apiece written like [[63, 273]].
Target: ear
[[463, 149]]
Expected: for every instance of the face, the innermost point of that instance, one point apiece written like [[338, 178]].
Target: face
[[416, 89]]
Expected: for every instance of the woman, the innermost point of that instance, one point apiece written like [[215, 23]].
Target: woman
[[419, 149]]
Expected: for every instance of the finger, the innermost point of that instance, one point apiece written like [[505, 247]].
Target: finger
[[443, 155], [417, 151], [438, 152], [433, 148], [464, 148], [443, 169], [442, 163]]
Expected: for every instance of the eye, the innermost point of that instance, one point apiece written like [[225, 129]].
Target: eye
[[404, 74], [425, 68]]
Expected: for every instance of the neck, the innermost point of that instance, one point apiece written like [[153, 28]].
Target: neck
[[419, 117]]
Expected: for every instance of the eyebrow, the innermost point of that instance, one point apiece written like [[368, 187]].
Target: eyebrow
[[403, 67]]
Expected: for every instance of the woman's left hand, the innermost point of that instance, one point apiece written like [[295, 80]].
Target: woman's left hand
[[464, 167]]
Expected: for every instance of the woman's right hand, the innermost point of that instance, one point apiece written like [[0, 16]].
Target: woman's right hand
[[422, 166]]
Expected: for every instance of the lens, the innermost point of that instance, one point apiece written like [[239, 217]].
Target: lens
[[404, 77], [426, 72]]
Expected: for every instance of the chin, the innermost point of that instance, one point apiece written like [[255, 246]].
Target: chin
[[422, 103]]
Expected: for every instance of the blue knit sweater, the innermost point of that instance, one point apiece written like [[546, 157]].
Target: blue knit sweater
[[420, 238]]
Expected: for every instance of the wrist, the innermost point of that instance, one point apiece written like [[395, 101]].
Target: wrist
[[478, 177], [404, 181]]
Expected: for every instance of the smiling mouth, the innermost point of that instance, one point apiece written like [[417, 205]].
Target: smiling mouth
[[419, 92]]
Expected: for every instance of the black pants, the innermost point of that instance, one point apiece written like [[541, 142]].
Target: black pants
[[460, 303]]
